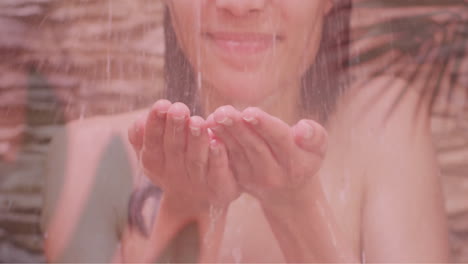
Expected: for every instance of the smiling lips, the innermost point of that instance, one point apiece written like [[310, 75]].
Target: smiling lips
[[243, 43]]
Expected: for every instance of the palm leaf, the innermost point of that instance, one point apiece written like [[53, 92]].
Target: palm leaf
[[410, 3], [438, 38]]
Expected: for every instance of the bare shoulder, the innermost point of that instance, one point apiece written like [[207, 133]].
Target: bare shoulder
[[386, 114], [390, 125], [383, 103]]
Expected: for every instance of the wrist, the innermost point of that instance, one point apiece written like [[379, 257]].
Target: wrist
[[295, 200], [188, 207], [181, 204]]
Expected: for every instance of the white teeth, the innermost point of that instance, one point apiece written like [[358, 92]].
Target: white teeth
[[237, 44], [234, 44]]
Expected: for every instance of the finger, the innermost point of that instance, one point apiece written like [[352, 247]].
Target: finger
[[136, 133], [216, 129], [151, 154], [251, 144], [175, 131], [275, 132], [237, 158], [311, 137], [155, 124], [220, 179], [197, 150]]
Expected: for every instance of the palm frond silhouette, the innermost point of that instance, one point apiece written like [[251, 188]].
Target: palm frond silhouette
[[428, 46]]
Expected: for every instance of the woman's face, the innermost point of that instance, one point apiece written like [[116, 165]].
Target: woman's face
[[248, 50]]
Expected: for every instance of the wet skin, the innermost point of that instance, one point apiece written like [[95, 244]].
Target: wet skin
[[249, 151], [378, 195], [261, 188]]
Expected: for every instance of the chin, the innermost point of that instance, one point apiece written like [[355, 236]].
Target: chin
[[242, 88], [244, 92]]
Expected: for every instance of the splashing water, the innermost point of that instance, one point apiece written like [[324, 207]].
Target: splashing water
[[214, 216], [237, 254]]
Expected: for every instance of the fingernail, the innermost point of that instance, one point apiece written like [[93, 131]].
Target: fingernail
[[161, 114], [251, 120], [308, 129], [214, 147], [178, 119], [217, 128], [225, 121], [179, 124], [196, 131]]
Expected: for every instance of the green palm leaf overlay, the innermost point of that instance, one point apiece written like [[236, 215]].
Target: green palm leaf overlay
[[437, 37]]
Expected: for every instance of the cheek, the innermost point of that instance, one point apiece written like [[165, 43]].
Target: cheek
[[305, 24]]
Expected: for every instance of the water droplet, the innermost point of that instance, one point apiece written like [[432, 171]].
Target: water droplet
[[237, 254]]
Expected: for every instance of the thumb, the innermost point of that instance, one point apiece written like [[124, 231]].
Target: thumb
[[311, 137]]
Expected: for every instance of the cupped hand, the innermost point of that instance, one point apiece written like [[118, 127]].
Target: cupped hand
[[177, 154], [270, 160]]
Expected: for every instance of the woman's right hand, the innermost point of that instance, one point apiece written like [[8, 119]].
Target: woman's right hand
[[178, 155]]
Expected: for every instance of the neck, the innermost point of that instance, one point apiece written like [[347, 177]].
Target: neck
[[283, 104]]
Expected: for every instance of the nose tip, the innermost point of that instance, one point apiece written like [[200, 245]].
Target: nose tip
[[241, 7]]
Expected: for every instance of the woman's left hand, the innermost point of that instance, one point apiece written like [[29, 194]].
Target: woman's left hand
[[272, 161]]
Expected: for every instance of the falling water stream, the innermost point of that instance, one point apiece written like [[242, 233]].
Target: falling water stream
[[75, 60]]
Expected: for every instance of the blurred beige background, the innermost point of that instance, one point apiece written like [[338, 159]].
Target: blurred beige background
[[63, 60]]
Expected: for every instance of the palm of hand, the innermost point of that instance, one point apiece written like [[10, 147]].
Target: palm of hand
[[211, 162]]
